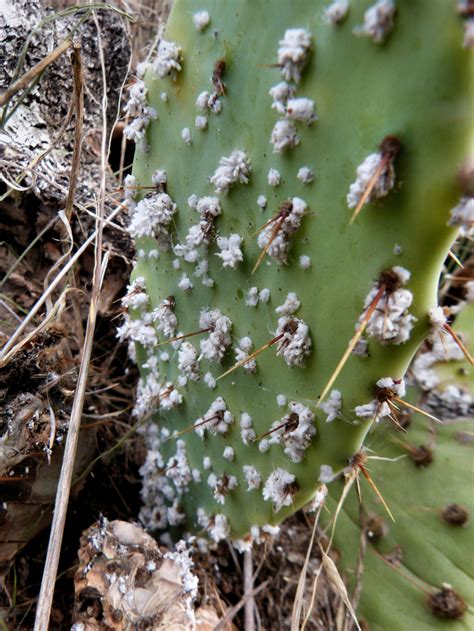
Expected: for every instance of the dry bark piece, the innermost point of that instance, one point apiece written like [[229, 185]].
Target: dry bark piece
[[125, 580]]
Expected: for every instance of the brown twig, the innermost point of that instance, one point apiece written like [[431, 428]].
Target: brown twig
[[78, 76], [233, 611]]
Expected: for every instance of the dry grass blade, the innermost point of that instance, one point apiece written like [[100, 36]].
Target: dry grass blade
[[299, 596], [37, 69], [336, 581], [45, 598], [249, 607]]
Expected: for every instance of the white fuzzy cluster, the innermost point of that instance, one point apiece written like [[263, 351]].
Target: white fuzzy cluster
[[378, 21], [284, 136], [216, 420], [164, 317], [319, 498], [451, 402], [293, 53], [228, 453], [175, 513], [130, 185], [219, 528], [281, 93], [210, 381], [290, 306], [438, 319], [186, 135], [443, 349], [295, 344], [326, 474], [201, 20], [138, 330], [297, 439], [136, 296], [332, 407], [262, 202], [159, 178], [190, 582], [139, 112], [305, 262], [185, 283], [252, 477], [209, 102], [251, 297], [273, 178], [222, 485], [247, 433], [242, 351], [195, 248], [302, 110], [365, 172], [188, 362], [305, 175], [177, 467], [336, 12], [156, 490], [230, 252], [219, 339], [377, 409], [151, 218], [231, 170], [390, 322], [462, 215], [281, 243], [201, 122], [279, 488], [168, 60]]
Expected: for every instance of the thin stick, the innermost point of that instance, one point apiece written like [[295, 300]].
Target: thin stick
[[455, 337], [37, 69], [352, 343], [193, 426], [249, 607], [455, 259], [182, 337], [366, 475], [369, 188], [251, 356], [48, 581], [270, 431], [416, 409]]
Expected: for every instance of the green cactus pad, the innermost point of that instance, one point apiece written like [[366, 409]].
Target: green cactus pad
[[415, 86]]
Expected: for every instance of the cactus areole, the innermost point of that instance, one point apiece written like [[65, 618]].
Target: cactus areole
[[296, 164]]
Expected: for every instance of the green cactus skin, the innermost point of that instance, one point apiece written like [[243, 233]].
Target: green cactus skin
[[415, 85], [432, 551]]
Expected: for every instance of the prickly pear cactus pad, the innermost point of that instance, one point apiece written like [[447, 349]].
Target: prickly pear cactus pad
[[293, 180], [423, 559]]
